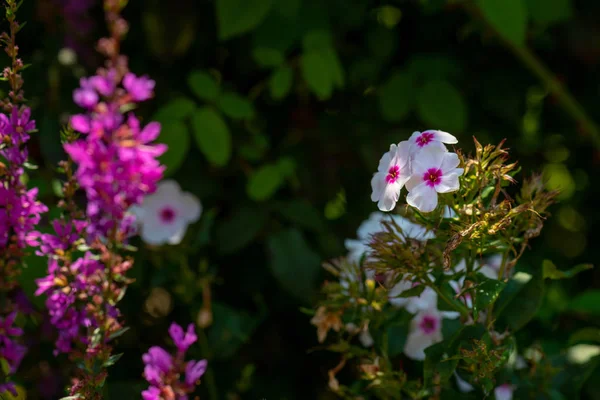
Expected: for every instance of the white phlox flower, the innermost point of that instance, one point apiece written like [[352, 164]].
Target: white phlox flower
[[364, 336], [433, 172], [463, 386], [425, 330], [165, 215], [430, 139], [504, 392], [392, 173], [357, 247]]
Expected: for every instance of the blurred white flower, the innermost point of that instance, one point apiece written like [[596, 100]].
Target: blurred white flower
[[430, 138], [357, 247], [67, 56], [364, 336], [425, 330], [463, 386], [504, 392], [392, 173], [433, 172], [165, 215]]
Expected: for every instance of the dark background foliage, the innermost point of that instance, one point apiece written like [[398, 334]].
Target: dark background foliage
[[276, 113]]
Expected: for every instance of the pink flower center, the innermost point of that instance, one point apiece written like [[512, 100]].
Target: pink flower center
[[167, 215], [424, 139], [429, 324], [432, 177], [393, 174]]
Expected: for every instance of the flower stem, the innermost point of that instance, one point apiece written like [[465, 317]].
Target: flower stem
[[210, 377], [463, 310], [569, 104]]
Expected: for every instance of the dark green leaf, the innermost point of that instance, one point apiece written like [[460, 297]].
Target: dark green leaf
[[508, 17], [235, 106], [585, 335], [212, 136], [396, 97], [587, 302], [412, 292], [486, 293], [264, 182], [315, 70], [280, 82], [317, 40], [301, 213], [545, 12], [175, 110], [118, 333], [176, 136], [231, 329], [240, 228], [294, 264], [524, 302], [203, 85], [267, 57], [236, 17], [204, 232], [551, 272], [439, 105]]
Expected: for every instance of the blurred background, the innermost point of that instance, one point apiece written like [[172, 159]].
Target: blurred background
[[276, 113]]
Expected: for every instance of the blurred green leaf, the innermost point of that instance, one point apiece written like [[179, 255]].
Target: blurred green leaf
[[280, 82], [317, 40], [176, 136], [256, 148], [551, 272], [585, 335], [546, 12], [315, 70], [204, 234], [301, 213], [212, 136], [587, 302], [295, 265], [236, 17], [428, 67], [396, 97], [175, 110], [34, 267], [508, 17], [230, 330], [203, 85], [396, 339], [525, 300], [441, 106], [267, 57], [239, 229], [124, 389], [264, 182], [336, 207], [235, 106]]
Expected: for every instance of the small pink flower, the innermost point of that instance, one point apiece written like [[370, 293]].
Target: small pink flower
[[392, 173]]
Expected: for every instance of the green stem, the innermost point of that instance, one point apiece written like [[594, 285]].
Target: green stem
[[545, 75], [210, 377], [463, 310]]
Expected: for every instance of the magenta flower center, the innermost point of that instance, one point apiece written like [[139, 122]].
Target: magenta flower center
[[167, 215], [393, 174], [428, 324], [432, 177], [424, 139]]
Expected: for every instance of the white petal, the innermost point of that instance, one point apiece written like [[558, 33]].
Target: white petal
[[366, 339], [450, 314], [449, 162], [414, 181], [413, 138], [448, 183], [403, 152], [489, 272], [378, 184], [427, 300], [356, 249], [463, 386], [503, 392], [429, 157], [449, 212], [423, 197], [191, 208], [386, 159], [389, 197], [444, 137], [416, 343], [177, 235], [151, 232], [168, 187]]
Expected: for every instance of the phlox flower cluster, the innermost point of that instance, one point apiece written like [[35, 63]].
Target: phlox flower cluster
[[170, 376], [423, 164], [117, 163]]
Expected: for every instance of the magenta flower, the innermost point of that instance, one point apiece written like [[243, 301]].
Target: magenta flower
[[139, 88], [183, 341]]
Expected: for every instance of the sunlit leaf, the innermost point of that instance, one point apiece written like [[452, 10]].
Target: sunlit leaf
[[551, 272]]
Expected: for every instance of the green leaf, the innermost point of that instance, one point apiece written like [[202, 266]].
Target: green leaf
[[203, 85], [441, 106], [204, 234], [230, 330], [280, 82], [235, 106], [175, 110], [336, 207], [587, 302], [267, 57], [508, 17], [486, 293], [315, 70], [301, 213], [236, 17], [176, 136], [256, 148], [118, 333], [264, 182], [317, 40], [212, 136], [551, 272], [294, 265], [112, 359], [396, 97], [524, 303], [34, 267], [585, 335], [546, 12], [237, 231], [426, 67], [437, 364], [412, 292]]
